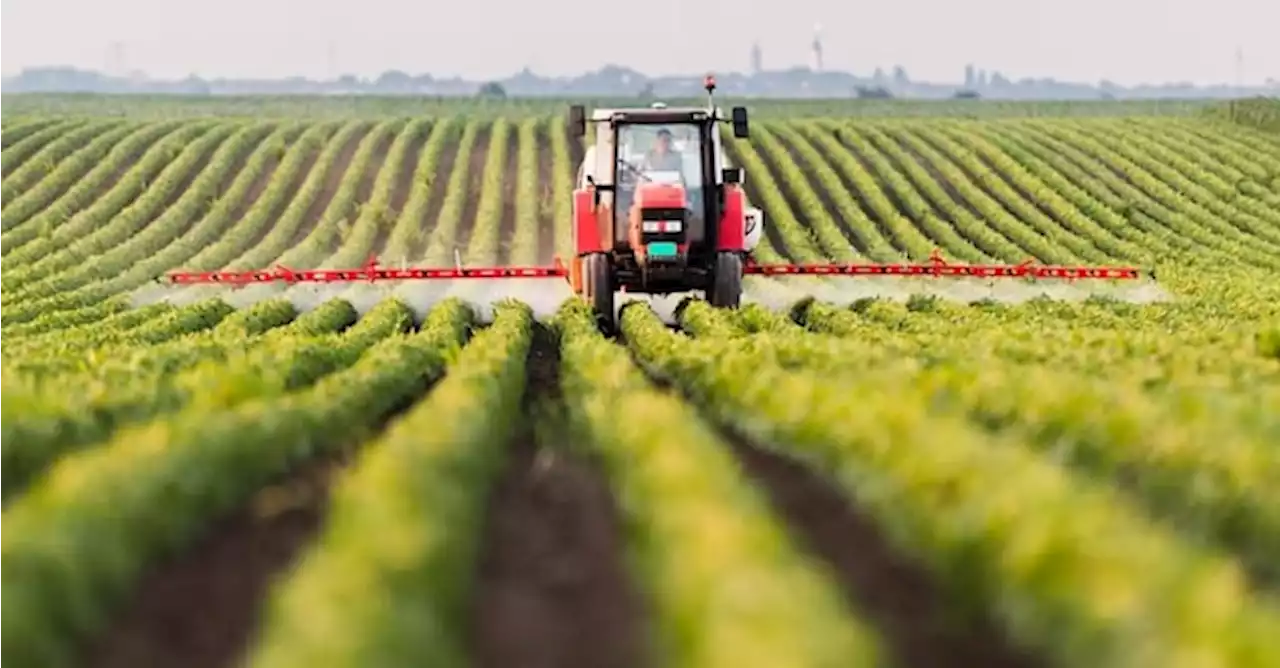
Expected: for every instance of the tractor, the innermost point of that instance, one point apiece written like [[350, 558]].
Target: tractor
[[657, 209]]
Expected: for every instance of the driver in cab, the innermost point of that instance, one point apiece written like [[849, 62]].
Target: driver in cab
[[662, 158]]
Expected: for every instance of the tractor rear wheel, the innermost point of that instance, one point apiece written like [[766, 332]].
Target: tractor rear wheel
[[726, 281], [597, 288]]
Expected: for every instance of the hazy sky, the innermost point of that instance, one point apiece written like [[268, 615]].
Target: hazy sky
[[1127, 41]]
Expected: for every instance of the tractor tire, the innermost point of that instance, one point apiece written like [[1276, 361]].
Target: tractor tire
[[726, 281], [597, 288]]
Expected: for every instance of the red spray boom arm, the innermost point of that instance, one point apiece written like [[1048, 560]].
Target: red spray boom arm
[[371, 272]]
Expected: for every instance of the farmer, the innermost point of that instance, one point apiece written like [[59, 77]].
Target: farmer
[[662, 158]]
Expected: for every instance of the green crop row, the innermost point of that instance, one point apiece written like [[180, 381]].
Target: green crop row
[[1063, 562], [387, 581], [76, 543], [727, 586]]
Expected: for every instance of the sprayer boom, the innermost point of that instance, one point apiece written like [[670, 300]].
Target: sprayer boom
[[1024, 270], [372, 272], [937, 266]]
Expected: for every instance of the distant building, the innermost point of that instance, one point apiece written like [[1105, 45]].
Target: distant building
[[817, 48], [757, 59]]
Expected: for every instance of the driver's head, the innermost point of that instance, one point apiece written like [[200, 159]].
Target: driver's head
[[663, 145]]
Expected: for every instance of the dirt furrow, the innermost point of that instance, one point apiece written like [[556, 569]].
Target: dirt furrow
[[933, 171], [771, 234], [202, 163], [895, 198], [893, 593], [824, 195], [333, 178], [552, 589], [510, 175], [1020, 188], [200, 609], [125, 165], [203, 607], [788, 188], [260, 182], [435, 200], [404, 177], [364, 189], [304, 171], [401, 188], [475, 183], [18, 130], [546, 189]]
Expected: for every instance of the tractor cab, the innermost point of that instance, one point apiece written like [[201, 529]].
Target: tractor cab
[[662, 177], [657, 210]]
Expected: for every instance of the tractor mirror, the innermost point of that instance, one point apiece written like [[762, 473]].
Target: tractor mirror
[[598, 188], [732, 175], [578, 120], [740, 129]]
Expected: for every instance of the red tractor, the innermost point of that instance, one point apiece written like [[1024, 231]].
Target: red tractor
[[656, 209]]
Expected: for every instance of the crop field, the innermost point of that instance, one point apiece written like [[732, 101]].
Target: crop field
[[843, 472]]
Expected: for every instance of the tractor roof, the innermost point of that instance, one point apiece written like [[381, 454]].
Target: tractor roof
[[652, 115]]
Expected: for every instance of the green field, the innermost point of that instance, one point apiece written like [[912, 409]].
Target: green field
[[844, 472]]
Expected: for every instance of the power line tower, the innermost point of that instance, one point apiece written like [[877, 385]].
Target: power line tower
[[1239, 88], [816, 47]]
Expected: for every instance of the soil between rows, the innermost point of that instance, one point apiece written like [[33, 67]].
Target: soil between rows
[[771, 234], [551, 588], [435, 197], [547, 223], [912, 153], [474, 184], [402, 186], [199, 166], [510, 176], [294, 185], [332, 179], [896, 596], [240, 208], [1017, 186], [123, 166], [551, 585], [200, 609], [861, 149]]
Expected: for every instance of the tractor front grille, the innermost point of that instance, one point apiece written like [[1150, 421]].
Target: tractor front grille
[[663, 225]]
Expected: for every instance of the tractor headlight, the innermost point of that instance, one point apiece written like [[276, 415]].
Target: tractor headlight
[[662, 226]]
